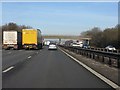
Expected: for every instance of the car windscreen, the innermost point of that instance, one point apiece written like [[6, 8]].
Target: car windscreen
[[110, 46], [52, 44]]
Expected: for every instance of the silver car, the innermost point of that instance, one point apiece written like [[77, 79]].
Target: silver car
[[110, 47], [52, 47]]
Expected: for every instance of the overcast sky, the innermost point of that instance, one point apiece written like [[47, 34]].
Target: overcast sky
[[68, 18]]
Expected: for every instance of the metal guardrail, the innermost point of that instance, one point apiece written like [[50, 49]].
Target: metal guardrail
[[105, 50], [110, 58]]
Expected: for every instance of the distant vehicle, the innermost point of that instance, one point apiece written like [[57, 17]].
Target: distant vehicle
[[52, 46], [85, 46], [12, 39], [77, 44], [47, 43], [110, 47], [32, 39], [68, 43]]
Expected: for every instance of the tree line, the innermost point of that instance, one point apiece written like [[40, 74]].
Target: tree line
[[13, 26], [102, 38]]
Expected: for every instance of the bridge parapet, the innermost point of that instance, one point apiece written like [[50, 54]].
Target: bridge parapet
[[65, 37]]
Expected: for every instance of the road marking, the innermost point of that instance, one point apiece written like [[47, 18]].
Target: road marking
[[112, 84], [8, 69], [29, 57]]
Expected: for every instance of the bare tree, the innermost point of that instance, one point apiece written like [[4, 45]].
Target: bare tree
[[100, 38]]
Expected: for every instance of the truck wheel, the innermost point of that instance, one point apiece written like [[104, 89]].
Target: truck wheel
[[26, 48], [15, 48], [7, 48]]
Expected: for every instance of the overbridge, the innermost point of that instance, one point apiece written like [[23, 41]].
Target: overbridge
[[72, 37]]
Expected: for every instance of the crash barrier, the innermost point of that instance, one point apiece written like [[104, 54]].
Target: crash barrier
[[105, 50], [110, 58]]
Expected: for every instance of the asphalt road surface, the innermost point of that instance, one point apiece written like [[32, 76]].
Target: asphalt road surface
[[45, 69], [13, 57]]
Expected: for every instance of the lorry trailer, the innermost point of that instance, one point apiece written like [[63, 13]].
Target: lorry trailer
[[32, 39], [12, 39]]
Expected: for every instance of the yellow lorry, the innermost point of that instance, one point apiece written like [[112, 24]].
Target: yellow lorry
[[31, 39]]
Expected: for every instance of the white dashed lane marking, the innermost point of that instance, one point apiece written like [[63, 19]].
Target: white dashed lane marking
[[8, 69], [29, 57]]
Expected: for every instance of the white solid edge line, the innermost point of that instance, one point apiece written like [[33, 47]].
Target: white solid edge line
[[8, 69], [94, 72]]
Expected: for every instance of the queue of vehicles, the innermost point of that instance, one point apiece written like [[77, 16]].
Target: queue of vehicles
[[85, 45], [27, 39], [81, 44], [32, 39], [52, 45]]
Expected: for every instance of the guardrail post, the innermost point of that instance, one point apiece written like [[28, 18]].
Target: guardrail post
[[109, 62], [118, 63], [92, 56], [102, 58], [84, 53], [97, 57], [117, 51], [80, 52], [87, 54], [107, 50], [72, 49], [77, 51]]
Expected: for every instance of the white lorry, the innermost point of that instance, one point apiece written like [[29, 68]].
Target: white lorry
[[11, 39], [47, 43]]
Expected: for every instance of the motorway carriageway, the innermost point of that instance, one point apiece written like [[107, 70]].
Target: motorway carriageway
[[45, 69]]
